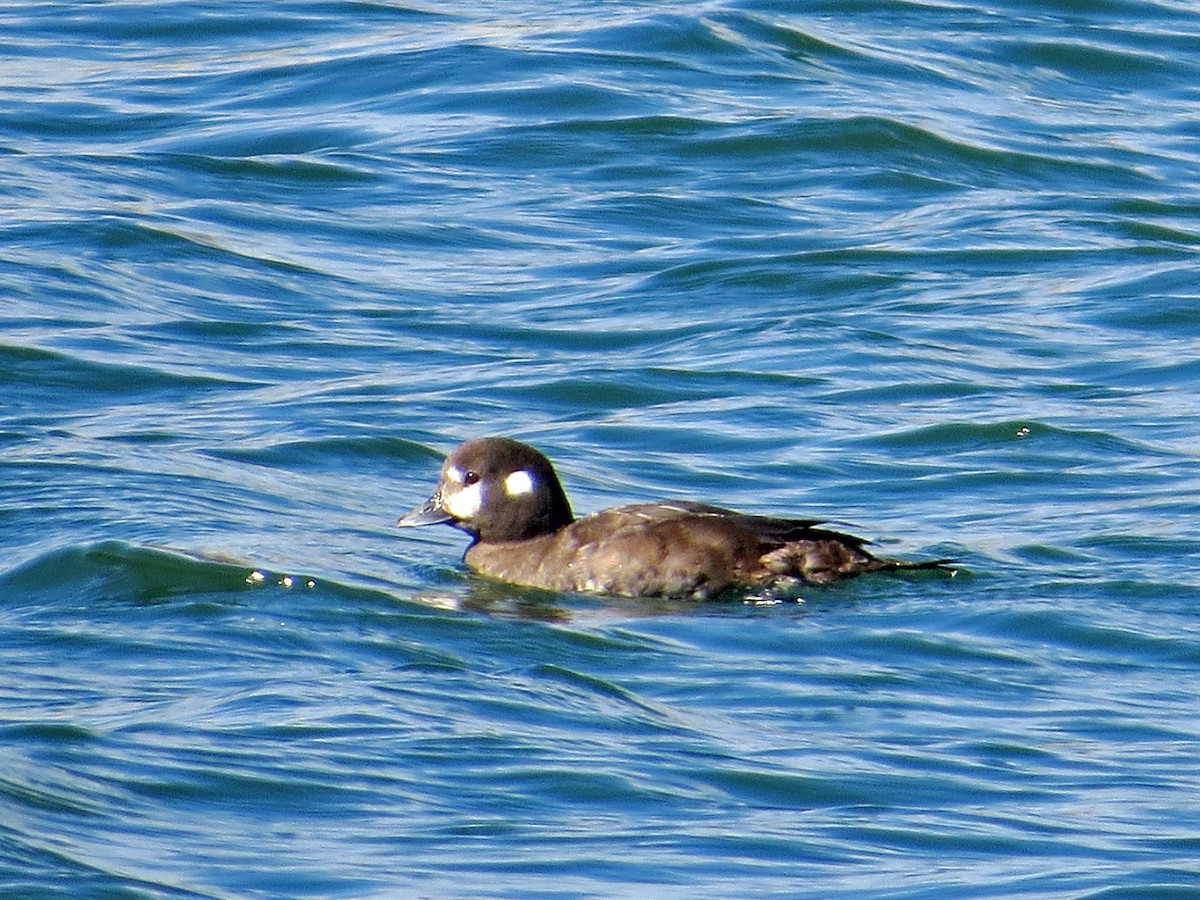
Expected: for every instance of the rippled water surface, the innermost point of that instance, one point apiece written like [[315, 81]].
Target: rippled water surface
[[926, 269]]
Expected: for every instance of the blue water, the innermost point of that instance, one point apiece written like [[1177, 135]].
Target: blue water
[[926, 269]]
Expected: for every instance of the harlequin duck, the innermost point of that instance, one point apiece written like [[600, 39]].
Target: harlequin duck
[[507, 497]]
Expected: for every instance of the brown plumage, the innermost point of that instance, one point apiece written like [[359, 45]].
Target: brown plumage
[[507, 496]]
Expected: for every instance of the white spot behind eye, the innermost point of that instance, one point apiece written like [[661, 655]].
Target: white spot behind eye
[[519, 482], [466, 503]]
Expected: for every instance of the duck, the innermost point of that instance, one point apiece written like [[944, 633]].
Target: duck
[[508, 498]]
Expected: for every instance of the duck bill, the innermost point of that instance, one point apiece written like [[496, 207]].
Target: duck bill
[[429, 514]]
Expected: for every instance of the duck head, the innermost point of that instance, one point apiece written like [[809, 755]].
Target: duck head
[[496, 489]]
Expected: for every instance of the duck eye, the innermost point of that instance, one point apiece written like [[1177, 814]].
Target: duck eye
[[470, 478]]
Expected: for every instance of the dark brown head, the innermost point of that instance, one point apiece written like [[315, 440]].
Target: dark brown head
[[496, 489]]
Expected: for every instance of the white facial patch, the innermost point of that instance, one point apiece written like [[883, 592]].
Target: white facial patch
[[466, 503], [518, 483], [455, 474]]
